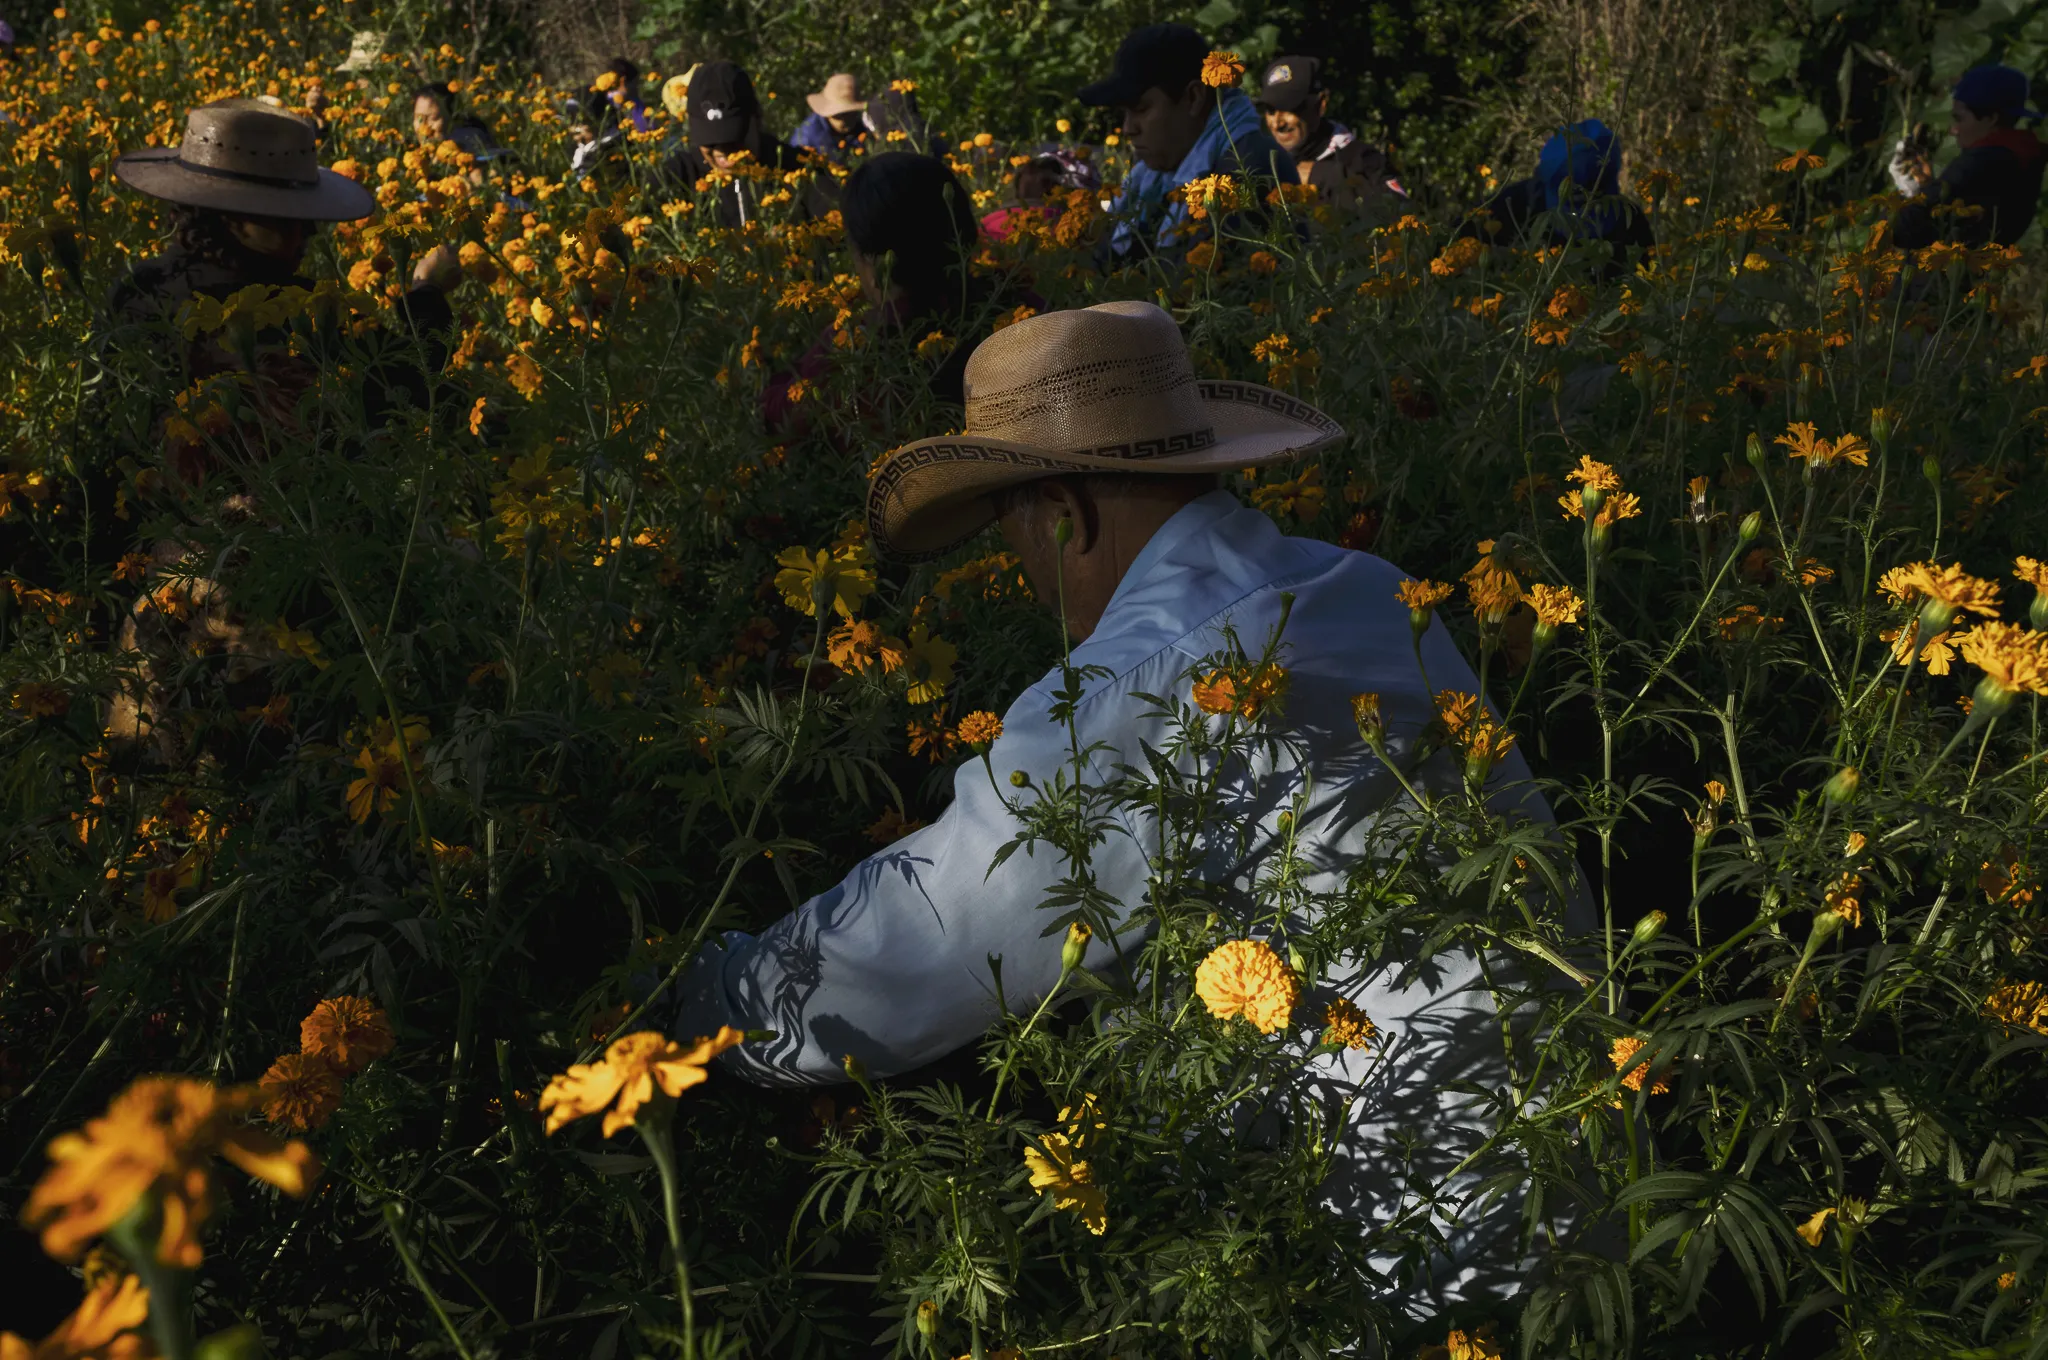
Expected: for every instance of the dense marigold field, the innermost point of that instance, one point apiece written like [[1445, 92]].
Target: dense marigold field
[[366, 814]]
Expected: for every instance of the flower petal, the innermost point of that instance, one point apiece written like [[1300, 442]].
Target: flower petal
[[291, 1167]]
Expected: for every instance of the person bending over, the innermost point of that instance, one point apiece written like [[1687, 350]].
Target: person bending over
[[1989, 193]]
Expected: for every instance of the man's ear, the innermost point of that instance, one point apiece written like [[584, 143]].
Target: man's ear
[[1064, 498], [1322, 104], [1196, 99]]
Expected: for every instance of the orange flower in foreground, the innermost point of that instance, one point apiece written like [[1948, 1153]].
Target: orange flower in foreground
[[1344, 1023], [1245, 977], [980, 728], [102, 1328], [1622, 1054], [1245, 691], [349, 1032], [1220, 70], [629, 1073], [300, 1092], [158, 1136]]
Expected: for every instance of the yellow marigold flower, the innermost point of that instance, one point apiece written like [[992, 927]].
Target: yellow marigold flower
[[1056, 1167], [2022, 1005], [300, 1092], [2009, 1279], [980, 728], [524, 374], [1365, 711], [1211, 193], [1717, 792], [348, 1032], [1245, 977], [605, 81], [934, 346], [841, 580], [1622, 1053], [1422, 596], [1811, 1231], [1344, 1023], [298, 642], [1201, 255], [1555, 606], [1844, 898], [1263, 262], [629, 1072], [40, 700], [104, 1327], [903, 86], [2014, 659], [859, 646], [1220, 70], [1459, 1345], [1597, 475], [1492, 592], [158, 1136], [1936, 655], [543, 315], [1243, 693], [928, 661], [1804, 442], [2032, 571], [1950, 587]]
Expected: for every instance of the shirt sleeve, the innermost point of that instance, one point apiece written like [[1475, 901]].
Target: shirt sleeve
[[892, 965]]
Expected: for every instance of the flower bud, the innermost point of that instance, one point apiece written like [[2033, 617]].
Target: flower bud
[[1071, 953], [1752, 525], [1880, 427], [2037, 613], [1935, 617], [1757, 459], [1990, 699], [1648, 927], [928, 1319], [1602, 533], [1019, 779], [1825, 924], [1372, 728], [1842, 785], [1592, 498], [855, 1068], [1418, 621], [1063, 532], [1930, 468], [1541, 636]]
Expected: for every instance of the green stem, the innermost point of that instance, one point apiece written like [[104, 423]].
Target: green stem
[[654, 1132], [394, 1219]]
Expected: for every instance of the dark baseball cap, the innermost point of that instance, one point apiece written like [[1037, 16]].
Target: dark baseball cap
[[1290, 82], [1998, 89], [723, 105], [1159, 56]]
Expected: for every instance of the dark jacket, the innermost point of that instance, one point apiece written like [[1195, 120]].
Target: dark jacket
[[1999, 176], [1515, 216], [739, 198], [1347, 171]]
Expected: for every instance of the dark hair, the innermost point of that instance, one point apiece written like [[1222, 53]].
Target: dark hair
[[2002, 117], [439, 92], [625, 69], [912, 209]]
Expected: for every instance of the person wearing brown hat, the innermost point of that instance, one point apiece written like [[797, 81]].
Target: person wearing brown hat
[[246, 193], [834, 130], [1344, 169], [1096, 450]]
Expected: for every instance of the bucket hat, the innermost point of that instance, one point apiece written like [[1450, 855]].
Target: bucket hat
[[242, 156], [1108, 388], [840, 96]]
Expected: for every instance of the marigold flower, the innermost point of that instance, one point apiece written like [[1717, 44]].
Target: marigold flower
[[1844, 898], [860, 646], [928, 661], [1811, 1231], [1245, 977], [524, 374], [157, 1137], [348, 1032], [1220, 70], [1365, 711], [1344, 1023], [1555, 606], [2022, 1005], [1055, 1166], [1804, 442], [2032, 571], [104, 1326], [1459, 1345], [1950, 588], [1622, 1053], [1422, 596], [629, 1072], [1211, 193], [980, 728], [2014, 659], [1262, 262], [1244, 692], [300, 1091], [840, 580], [891, 826], [40, 700], [2007, 880]]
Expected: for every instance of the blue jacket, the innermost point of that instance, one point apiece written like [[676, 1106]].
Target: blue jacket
[[1234, 141]]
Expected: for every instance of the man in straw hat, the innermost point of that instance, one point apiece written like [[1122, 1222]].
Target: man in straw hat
[[1093, 447], [834, 130]]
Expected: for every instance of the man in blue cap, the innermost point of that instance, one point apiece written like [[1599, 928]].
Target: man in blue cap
[[1989, 192], [1179, 129], [1574, 196]]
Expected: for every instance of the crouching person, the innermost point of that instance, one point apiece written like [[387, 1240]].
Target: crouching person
[[1092, 444]]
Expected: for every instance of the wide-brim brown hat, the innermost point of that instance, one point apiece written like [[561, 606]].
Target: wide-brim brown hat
[[243, 156], [1108, 388], [840, 96]]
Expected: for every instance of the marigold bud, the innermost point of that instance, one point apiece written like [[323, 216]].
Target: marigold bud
[[1752, 525], [1825, 924], [1078, 935], [2037, 612], [1648, 927], [1592, 497], [1019, 779], [1880, 427], [1990, 699], [855, 1068], [1930, 468], [928, 1319], [1757, 459], [1842, 785], [1063, 532]]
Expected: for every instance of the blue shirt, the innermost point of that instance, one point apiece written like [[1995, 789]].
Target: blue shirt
[[1234, 141], [891, 965]]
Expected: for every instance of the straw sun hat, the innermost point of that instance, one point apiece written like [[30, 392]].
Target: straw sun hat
[[840, 96], [1101, 389], [244, 157]]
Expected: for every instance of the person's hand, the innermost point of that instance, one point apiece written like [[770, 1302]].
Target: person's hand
[[1909, 169], [439, 268]]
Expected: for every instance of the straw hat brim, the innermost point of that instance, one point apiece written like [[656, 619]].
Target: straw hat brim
[[825, 107], [159, 173], [931, 496]]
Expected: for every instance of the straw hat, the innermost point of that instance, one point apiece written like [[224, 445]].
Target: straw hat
[[841, 95], [1102, 389], [242, 156]]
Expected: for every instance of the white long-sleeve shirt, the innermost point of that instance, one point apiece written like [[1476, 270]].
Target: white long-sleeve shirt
[[891, 965]]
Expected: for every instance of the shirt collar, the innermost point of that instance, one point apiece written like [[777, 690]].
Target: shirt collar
[[1193, 518]]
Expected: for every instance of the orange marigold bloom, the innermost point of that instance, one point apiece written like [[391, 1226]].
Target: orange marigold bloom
[[629, 1073], [1344, 1023], [301, 1091], [2032, 571], [1622, 1053], [104, 1327], [350, 1032], [158, 1136], [1422, 596], [1803, 441], [1245, 694], [1555, 606], [1245, 977], [2022, 1005], [1220, 70], [2013, 658], [980, 728]]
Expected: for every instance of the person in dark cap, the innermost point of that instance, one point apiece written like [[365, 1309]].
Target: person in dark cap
[[1574, 197], [1990, 191], [1179, 129], [727, 135], [1344, 169]]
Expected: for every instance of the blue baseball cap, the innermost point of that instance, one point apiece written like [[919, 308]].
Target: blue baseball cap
[[2001, 89]]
